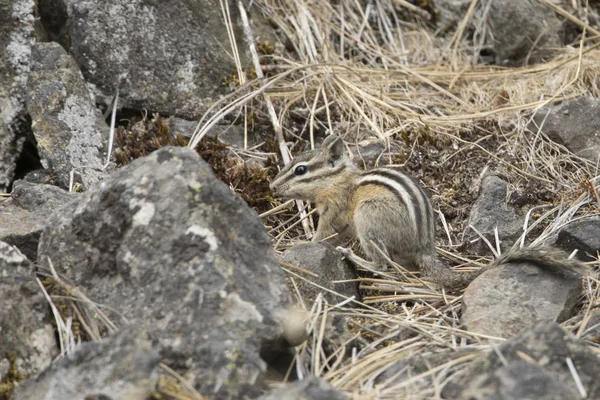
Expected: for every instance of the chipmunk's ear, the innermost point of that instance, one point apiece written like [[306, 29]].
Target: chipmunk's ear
[[335, 147]]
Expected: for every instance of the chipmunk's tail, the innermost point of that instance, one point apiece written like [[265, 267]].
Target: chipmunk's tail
[[545, 256]]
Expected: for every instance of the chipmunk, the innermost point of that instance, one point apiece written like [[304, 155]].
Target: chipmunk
[[386, 210], [389, 213]]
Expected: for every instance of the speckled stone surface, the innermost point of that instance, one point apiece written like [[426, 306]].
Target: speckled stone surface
[[170, 247]]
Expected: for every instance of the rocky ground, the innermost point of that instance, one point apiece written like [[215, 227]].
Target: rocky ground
[[149, 260]]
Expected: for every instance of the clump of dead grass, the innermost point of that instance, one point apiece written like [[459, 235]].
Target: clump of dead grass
[[142, 135], [248, 175]]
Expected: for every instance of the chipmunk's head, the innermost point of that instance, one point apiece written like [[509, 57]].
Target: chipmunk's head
[[312, 171]]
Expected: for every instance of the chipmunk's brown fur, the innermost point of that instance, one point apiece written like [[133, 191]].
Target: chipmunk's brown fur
[[382, 207], [386, 210]]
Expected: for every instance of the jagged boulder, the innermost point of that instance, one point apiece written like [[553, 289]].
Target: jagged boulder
[[122, 366], [582, 235], [171, 248], [514, 294], [574, 123], [28, 342], [492, 211], [25, 213], [534, 365], [180, 73], [16, 22], [67, 127], [522, 32]]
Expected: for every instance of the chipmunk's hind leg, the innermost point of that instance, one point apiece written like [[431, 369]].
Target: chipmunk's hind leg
[[376, 252], [384, 233]]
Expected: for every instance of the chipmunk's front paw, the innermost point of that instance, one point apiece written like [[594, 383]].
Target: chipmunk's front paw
[[346, 252]]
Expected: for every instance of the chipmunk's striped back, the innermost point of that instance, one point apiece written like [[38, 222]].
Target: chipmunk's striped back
[[410, 194]]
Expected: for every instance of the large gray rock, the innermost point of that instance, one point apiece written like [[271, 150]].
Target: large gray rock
[[25, 213], [170, 57], [530, 366], [16, 38], [491, 211], [170, 247], [322, 259], [522, 31], [582, 235], [574, 123], [311, 388], [28, 342], [507, 298], [123, 366], [67, 127]]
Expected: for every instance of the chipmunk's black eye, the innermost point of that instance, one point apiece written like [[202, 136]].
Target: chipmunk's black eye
[[300, 170]]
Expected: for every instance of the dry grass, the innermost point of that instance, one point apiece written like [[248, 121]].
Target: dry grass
[[379, 70]]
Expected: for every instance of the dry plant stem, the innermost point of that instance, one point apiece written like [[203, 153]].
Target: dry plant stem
[[280, 236], [111, 136], [327, 111], [277, 209], [311, 124], [367, 265], [359, 303], [92, 332], [298, 295], [316, 364], [236, 57], [232, 41], [359, 109], [88, 306], [486, 241], [563, 218], [63, 332], [297, 268], [464, 260], [195, 395], [459, 33], [445, 225], [272, 114], [284, 223], [485, 114], [527, 228], [413, 8], [203, 126], [576, 378], [588, 315]]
